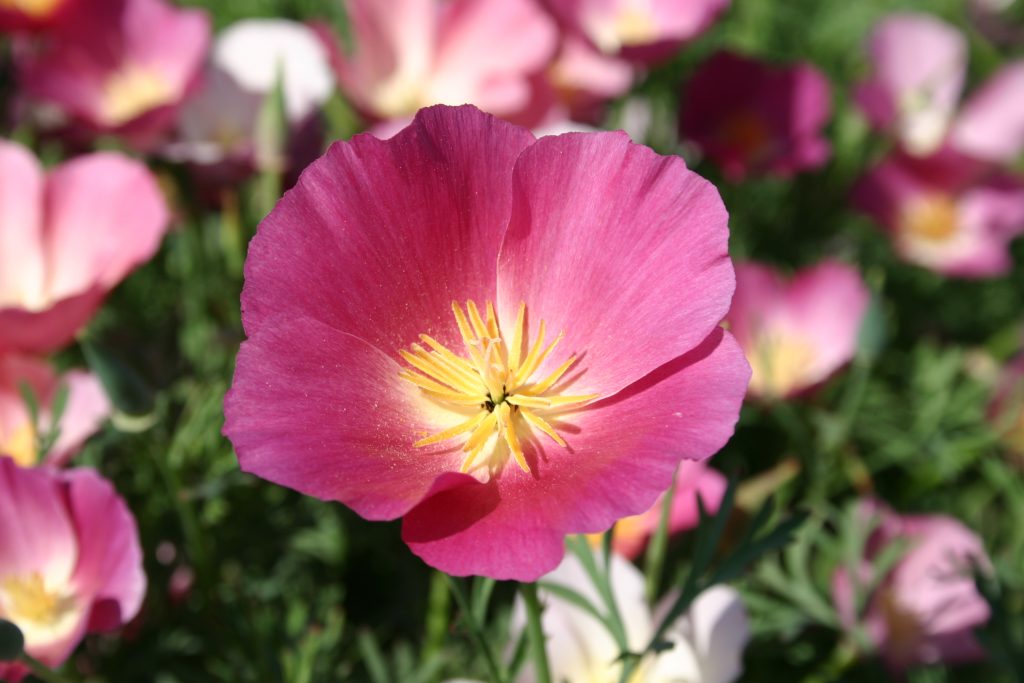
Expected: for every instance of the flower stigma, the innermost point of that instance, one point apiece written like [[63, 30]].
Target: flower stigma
[[495, 378]]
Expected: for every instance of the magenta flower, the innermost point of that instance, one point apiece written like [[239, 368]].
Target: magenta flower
[[413, 53], [754, 118], [67, 237], [693, 480], [70, 561], [120, 66], [645, 30], [945, 212], [32, 15], [796, 333], [501, 339], [925, 610], [86, 409]]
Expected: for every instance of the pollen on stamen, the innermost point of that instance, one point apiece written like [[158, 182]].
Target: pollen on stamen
[[494, 377]]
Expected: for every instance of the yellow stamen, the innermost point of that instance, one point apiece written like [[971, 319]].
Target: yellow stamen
[[508, 430], [479, 326], [542, 424], [517, 341], [550, 380], [466, 426], [490, 378]]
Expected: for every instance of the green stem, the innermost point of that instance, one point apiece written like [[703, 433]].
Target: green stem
[[579, 547], [535, 633], [842, 658], [42, 672], [654, 560], [438, 602], [477, 633]]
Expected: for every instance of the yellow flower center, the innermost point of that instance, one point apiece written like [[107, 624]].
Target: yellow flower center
[[132, 91], [494, 381], [779, 364], [27, 599], [933, 218], [33, 8], [21, 445]]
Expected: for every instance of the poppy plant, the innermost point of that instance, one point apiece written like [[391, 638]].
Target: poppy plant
[[501, 339], [70, 560], [67, 237]]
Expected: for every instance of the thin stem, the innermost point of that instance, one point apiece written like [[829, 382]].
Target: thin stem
[[438, 602], [654, 560], [579, 547], [496, 672], [535, 633]]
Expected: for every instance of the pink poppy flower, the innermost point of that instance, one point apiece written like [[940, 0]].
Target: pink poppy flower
[[750, 117], [70, 561], [796, 333], [991, 124], [485, 334], [32, 15], [645, 30], [707, 641], [86, 409], [693, 480], [918, 67], [120, 66], [926, 609], [67, 237], [413, 53], [945, 212], [1006, 410]]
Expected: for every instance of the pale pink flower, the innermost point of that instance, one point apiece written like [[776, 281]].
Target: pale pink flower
[[67, 237], [86, 408], [796, 333], [408, 54], [925, 610], [70, 561]]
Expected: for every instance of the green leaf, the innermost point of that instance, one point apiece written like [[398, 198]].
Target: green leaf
[[126, 389]]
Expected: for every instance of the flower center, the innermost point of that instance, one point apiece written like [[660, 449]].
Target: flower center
[[779, 364], [33, 8], [932, 218], [132, 91], [494, 380], [21, 445], [747, 133], [28, 600]]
